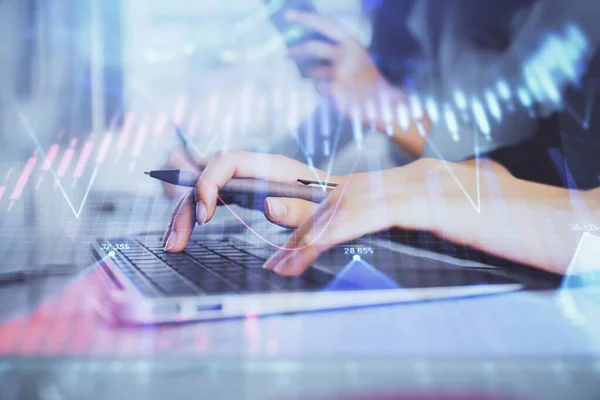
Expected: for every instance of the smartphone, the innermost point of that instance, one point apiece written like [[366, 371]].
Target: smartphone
[[295, 34]]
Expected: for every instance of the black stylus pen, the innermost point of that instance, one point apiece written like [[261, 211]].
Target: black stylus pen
[[258, 189]]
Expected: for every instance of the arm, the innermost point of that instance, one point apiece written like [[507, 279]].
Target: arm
[[522, 221], [353, 83]]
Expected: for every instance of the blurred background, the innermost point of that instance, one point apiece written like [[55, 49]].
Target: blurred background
[[73, 71], [89, 92]]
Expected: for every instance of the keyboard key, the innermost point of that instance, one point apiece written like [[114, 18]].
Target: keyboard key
[[261, 253], [199, 253], [213, 267], [149, 257], [223, 267], [208, 257], [207, 242], [238, 255], [156, 247], [136, 252], [252, 264]]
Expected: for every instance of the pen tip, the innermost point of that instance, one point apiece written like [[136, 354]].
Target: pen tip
[[147, 173]]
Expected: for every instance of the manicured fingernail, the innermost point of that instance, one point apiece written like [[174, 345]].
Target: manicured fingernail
[[274, 259], [171, 240], [201, 213], [276, 208], [290, 15], [283, 264]]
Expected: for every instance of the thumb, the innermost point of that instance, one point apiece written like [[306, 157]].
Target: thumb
[[286, 212]]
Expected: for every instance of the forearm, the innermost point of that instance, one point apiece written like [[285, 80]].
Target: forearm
[[584, 217], [544, 225], [525, 222]]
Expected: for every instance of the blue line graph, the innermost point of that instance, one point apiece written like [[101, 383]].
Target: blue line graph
[[580, 271], [359, 274]]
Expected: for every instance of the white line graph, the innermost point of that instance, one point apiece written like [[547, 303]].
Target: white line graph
[[476, 205], [332, 156], [458, 182], [39, 147], [335, 145], [584, 120]]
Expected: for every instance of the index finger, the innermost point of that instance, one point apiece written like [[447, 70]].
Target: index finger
[[317, 23], [179, 160], [240, 164]]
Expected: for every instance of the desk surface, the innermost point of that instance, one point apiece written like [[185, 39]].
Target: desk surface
[[553, 331]]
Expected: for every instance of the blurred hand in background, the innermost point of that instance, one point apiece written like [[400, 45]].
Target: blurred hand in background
[[351, 81]]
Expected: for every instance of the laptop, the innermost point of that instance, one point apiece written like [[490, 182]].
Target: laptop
[[220, 275]]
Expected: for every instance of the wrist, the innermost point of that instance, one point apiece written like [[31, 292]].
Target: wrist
[[592, 201], [400, 124], [379, 105]]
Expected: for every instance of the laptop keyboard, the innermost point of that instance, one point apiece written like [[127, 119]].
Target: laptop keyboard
[[208, 267]]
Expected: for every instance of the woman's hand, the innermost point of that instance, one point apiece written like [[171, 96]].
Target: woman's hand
[[354, 85], [519, 220], [511, 220], [178, 159], [198, 205], [351, 78]]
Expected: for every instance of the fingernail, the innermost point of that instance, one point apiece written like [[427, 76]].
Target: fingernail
[[290, 15], [276, 208], [201, 213], [282, 265], [171, 240], [274, 259]]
